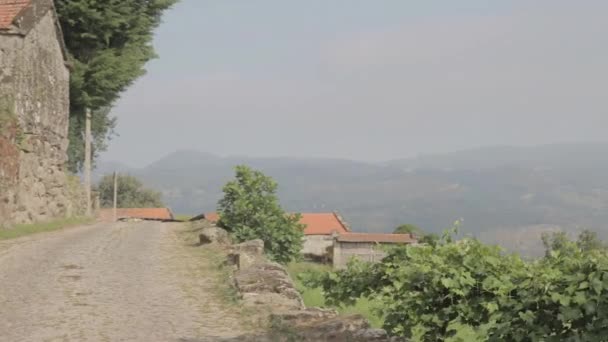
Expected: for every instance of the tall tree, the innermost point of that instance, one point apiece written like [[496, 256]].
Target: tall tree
[[131, 193], [250, 210], [109, 43], [409, 229], [560, 242], [588, 241]]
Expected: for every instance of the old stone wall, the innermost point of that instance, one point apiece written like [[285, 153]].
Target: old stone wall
[[34, 114], [316, 246]]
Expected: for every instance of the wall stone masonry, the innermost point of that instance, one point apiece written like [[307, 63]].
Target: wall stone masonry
[[34, 118]]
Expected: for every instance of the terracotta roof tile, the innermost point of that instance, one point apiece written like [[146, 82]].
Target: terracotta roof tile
[[9, 9], [160, 214], [322, 224], [213, 217], [316, 223], [377, 237]]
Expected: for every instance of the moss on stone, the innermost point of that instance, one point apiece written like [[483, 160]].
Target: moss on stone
[[8, 119], [76, 194], [7, 110]]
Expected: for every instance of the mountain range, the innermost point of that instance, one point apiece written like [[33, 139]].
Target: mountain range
[[507, 195]]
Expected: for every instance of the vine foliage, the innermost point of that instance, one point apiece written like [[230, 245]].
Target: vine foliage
[[468, 291]]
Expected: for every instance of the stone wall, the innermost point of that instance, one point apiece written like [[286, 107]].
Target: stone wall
[[34, 114], [316, 246]]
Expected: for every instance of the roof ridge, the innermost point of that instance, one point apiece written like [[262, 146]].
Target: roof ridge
[[10, 10], [342, 221]]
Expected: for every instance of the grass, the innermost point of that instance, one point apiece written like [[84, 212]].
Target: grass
[[218, 273], [311, 296], [215, 265], [35, 228], [315, 297], [224, 288], [182, 217]]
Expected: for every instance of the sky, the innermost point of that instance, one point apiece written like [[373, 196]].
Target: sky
[[367, 80]]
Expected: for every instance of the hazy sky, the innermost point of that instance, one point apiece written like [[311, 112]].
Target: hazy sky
[[367, 80]]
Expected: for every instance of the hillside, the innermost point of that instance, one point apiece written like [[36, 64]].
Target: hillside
[[495, 190]]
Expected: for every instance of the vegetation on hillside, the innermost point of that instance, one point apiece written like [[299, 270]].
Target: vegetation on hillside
[[468, 291], [109, 43], [131, 193], [250, 210]]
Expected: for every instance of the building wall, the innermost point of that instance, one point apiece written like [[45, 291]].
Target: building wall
[[364, 251], [34, 114], [317, 245]]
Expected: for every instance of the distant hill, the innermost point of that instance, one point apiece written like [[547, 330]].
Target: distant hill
[[495, 189]]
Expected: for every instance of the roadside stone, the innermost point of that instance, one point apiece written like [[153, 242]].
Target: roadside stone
[[305, 316], [269, 284], [313, 324], [252, 247], [246, 254], [214, 235], [372, 335]]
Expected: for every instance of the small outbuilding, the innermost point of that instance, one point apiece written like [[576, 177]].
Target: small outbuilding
[[365, 246], [321, 228]]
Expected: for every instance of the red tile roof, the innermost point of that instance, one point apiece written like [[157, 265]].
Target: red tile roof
[[9, 9], [160, 214], [316, 223], [213, 217], [377, 237], [323, 224]]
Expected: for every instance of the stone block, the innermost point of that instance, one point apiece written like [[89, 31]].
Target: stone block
[[252, 247], [214, 235]]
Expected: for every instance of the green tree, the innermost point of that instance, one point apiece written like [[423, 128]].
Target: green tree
[[131, 193], [431, 239], [409, 229], [250, 210], [555, 241], [109, 43], [423, 237], [588, 241]]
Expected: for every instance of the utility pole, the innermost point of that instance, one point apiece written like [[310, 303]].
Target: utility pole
[[87, 161], [115, 194]]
